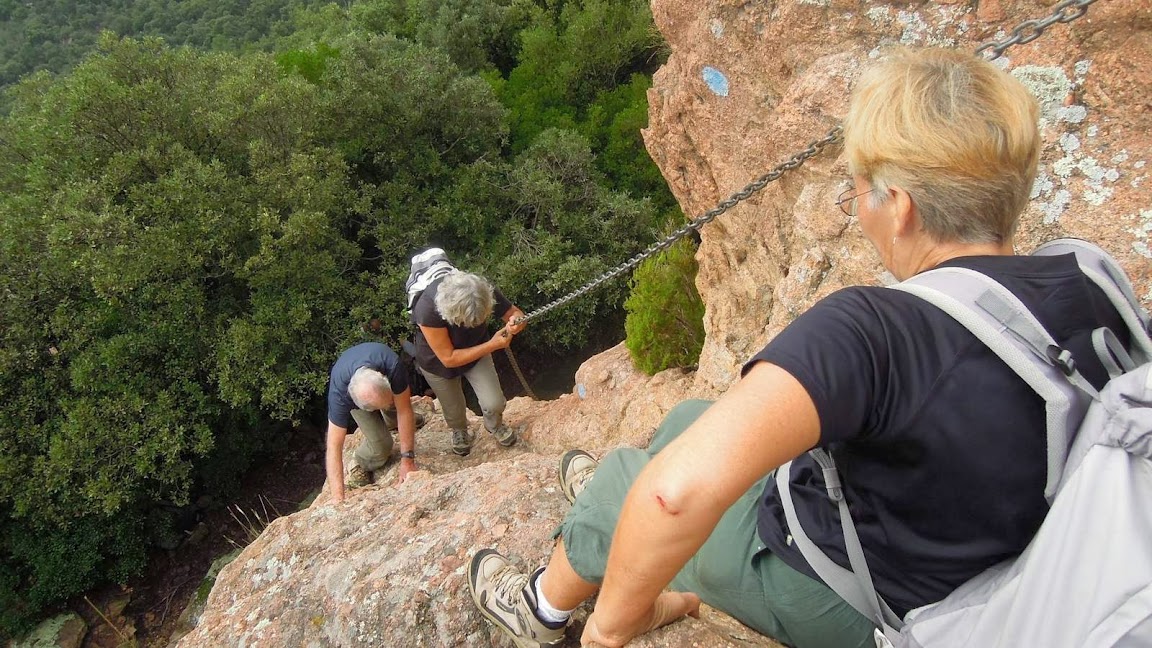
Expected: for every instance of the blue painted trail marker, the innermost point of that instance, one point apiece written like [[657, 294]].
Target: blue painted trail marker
[[717, 82]]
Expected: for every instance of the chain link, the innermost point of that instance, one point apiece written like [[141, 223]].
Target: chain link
[[756, 185], [1030, 30], [1025, 32]]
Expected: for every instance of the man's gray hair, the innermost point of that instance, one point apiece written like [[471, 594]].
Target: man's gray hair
[[465, 299], [364, 379]]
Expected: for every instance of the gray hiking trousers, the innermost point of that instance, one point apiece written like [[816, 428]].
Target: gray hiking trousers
[[450, 392], [376, 447]]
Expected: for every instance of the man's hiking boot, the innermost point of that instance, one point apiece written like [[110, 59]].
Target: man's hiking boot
[[505, 435], [462, 442], [357, 477], [507, 597], [394, 425], [576, 470]]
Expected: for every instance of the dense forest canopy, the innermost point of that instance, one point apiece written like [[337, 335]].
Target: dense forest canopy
[[190, 235], [54, 35]]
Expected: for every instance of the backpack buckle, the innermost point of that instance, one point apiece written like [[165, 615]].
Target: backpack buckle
[[1061, 358], [832, 484]]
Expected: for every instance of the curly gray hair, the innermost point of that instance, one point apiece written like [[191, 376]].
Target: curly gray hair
[[465, 299], [365, 381]]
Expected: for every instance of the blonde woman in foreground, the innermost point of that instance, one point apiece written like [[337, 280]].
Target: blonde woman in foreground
[[941, 446]]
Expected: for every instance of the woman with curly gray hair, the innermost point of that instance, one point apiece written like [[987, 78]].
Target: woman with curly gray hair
[[452, 341]]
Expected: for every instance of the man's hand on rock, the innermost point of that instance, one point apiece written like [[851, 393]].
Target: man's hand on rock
[[406, 466]]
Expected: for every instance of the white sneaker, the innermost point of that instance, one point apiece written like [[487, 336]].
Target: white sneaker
[[576, 470], [507, 597]]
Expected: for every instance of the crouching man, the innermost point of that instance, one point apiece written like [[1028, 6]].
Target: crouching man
[[369, 385]]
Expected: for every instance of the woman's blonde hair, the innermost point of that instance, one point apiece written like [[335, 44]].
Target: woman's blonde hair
[[955, 132]]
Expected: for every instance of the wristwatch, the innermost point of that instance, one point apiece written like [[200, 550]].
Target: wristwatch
[[408, 454]]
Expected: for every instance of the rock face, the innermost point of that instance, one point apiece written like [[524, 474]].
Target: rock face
[[747, 85], [387, 567], [190, 617], [63, 631]]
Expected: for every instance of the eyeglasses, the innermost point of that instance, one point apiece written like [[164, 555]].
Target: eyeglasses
[[850, 200]]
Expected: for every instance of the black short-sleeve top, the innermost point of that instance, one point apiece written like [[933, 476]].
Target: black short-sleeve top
[[424, 313], [941, 447]]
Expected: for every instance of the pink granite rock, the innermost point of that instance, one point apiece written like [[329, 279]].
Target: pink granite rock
[[387, 566], [787, 69]]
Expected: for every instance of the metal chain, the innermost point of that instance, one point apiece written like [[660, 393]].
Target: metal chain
[[1025, 32], [1030, 30], [756, 185]]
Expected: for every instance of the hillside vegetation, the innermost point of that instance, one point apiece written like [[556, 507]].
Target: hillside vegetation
[[54, 35], [190, 235]]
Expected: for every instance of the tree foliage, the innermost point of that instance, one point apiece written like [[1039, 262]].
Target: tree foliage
[[665, 323], [184, 238], [54, 35]]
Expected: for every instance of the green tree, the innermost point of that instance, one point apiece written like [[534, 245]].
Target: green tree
[[475, 34], [665, 323], [163, 206], [54, 35]]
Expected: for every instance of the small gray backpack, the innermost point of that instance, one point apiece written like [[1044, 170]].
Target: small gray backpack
[[1085, 579], [427, 266]]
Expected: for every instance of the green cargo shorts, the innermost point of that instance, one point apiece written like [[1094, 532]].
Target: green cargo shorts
[[731, 572]]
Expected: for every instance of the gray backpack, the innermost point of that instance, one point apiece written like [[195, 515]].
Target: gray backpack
[[1085, 579]]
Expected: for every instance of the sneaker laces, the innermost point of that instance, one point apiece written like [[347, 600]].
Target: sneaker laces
[[581, 478], [508, 582]]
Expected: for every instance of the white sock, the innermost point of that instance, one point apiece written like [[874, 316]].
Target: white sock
[[545, 609]]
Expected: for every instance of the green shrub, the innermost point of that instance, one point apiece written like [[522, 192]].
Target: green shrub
[[665, 322]]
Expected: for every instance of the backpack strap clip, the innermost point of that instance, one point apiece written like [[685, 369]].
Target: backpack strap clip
[[831, 475], [1061, 359]]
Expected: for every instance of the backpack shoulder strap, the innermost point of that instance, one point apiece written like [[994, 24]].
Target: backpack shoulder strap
[[855, 586], [1104, 271], [998, 319], [1115, 357], [428, 266]]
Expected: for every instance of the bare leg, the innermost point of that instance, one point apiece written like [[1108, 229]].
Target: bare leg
[[561, 585]]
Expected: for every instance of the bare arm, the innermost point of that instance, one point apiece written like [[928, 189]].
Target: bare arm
[[406, 428], [334, 461], [450, 356], [763, 421]]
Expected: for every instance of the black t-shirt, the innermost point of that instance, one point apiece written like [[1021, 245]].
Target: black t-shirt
[[941, 447], [369, 354], [424, 313]]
